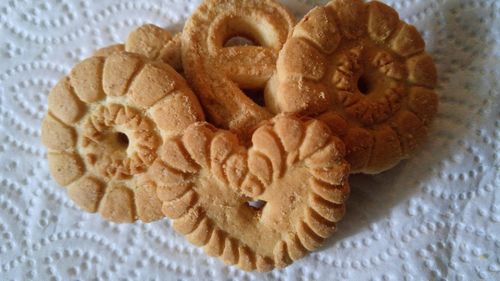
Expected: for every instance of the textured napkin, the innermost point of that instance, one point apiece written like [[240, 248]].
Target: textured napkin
[[433, 217]]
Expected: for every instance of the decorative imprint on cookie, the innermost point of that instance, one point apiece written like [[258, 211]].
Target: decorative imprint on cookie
[[260, 207], [106, 122], [107, 145], [363, 71]]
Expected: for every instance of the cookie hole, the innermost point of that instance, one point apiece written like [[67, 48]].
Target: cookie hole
[[239, 41], [363, 85], [257, 95], [122, 140], [257, 204]]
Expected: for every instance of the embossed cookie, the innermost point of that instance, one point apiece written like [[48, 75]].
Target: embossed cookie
[[151, 41], [296, 168], [105, 123], [218, 72], [364, 72]]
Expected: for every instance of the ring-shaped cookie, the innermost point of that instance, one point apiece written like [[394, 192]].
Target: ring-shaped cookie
[[206, 180], [218, 73], [364, 72], [105, 123]]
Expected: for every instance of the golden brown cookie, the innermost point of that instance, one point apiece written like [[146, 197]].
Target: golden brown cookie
[[151, 41], [156, 43], [109, 50], [364, 72], [218, 73], [105, 123], [206, 180]]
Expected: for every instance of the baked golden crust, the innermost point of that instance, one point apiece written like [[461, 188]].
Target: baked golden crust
[[103, 131], [362, 70], [156, 43], [218, 73], [152, 42], [109, 50], [206, 178]]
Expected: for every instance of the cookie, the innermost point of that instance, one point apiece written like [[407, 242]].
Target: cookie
[[105, 124], [109, 50], [363, 71], [156, 43], [151, 41], [213, 189], [218, 72]]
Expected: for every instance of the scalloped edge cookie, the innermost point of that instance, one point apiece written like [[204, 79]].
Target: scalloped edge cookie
[[363, 71], [105, 123], [206, 179]]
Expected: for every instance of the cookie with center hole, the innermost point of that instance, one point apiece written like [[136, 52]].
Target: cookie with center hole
[[105, 123], [259, 207], [229, 77], [363, 71]]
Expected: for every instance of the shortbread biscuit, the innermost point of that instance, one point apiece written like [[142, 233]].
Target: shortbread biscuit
[[206, 180], [151, 41], [105, 123], [366, 73], [218, 73]]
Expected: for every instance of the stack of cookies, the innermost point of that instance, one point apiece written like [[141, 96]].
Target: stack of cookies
[[246, 147]]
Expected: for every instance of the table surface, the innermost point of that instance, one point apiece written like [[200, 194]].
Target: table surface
[[433, 217]]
